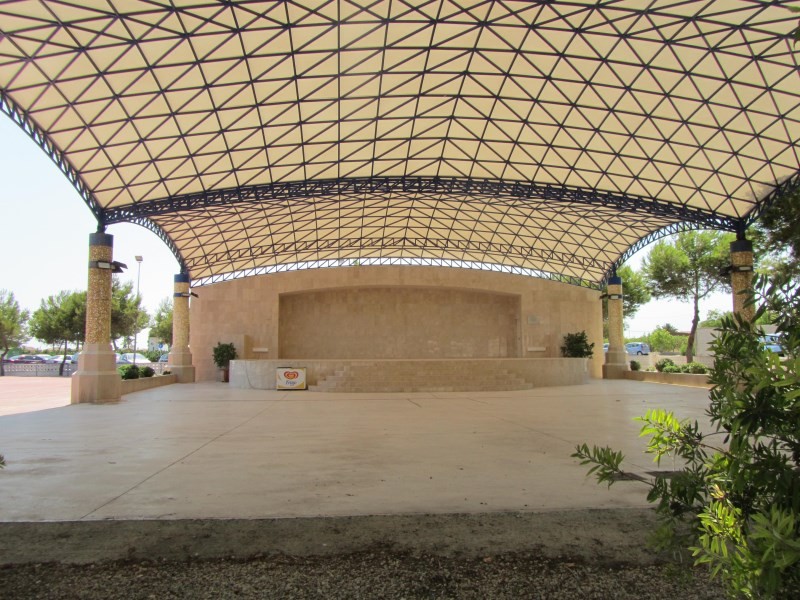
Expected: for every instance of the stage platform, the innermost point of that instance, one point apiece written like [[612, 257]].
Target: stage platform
[[420, 375]]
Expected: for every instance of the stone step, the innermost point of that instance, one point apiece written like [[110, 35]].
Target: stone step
[[408, 377]]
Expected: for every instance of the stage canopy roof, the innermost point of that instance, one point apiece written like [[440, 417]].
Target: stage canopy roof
[[551, 138]]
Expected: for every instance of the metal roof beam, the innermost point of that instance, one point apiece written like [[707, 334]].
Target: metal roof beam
[[349, 187], [278, 251]]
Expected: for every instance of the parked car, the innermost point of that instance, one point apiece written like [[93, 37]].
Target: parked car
[[163, 358], [772, 342], [605, 347], [127, 358], [637, 348], [27, 358]]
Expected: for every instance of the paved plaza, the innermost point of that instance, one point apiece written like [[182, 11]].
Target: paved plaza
[[207, 450]]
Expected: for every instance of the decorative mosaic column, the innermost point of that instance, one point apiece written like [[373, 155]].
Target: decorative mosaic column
[[742, 276], [180, 358], [616, 362], [96, 379]]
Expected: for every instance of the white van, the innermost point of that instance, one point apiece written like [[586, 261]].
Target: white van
[[637, 348]]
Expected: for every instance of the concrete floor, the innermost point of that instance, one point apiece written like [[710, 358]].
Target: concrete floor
[[210, 451]]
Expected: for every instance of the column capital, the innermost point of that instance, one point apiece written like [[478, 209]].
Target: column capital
[[742, 246], [615, 280], [101, 239], [182, 278]]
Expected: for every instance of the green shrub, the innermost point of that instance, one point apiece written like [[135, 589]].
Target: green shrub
[[739, 489], [153, 355], [129, 371], [673, 368], [663, 362], [636, 365], [146, 372], [576, 345], [695, 368]]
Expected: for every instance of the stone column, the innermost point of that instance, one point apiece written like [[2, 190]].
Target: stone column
[[616, 358], [742, 276], [180, 358], [96, 379]]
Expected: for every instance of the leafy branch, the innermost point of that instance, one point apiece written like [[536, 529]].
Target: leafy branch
[[735, 506]]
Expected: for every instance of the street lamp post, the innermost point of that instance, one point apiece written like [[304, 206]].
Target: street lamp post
[[139, 260]]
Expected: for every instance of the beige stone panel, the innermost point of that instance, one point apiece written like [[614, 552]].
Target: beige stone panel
[[97, 380], [250, 307], [421, 375], [398, 322]]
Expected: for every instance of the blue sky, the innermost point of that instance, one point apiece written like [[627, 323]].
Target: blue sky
[[45, 229]]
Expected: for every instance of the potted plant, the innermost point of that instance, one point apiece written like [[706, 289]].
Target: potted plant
[[576, 345], [223, 355]]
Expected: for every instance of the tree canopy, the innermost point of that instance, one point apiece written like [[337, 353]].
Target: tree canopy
[[60, 319], [127, 315], [161, 327], [689, 267], [635, 293], [13, 322], [662, 339], [776, 238]]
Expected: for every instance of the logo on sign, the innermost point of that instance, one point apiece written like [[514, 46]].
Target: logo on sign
[[291, 374]]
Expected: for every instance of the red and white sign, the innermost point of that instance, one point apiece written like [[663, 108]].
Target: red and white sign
[[290, 378]]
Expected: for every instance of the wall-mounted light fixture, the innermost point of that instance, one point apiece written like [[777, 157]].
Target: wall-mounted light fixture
[[114, 266], [736, 269]]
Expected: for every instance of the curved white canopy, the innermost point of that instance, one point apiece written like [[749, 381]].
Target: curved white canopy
[[548, 136]]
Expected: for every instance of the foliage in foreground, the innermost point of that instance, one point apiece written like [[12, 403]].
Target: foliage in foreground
[[739, 489]]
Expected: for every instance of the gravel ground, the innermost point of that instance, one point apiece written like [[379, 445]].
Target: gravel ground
[[369, 574]]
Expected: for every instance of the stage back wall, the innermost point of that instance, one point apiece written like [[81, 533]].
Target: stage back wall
[[393, 322], [391, 312]]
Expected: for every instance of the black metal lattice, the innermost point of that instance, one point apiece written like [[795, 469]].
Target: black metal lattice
[[549, 137]]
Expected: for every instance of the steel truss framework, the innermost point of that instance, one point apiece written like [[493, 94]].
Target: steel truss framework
[[547, 138]]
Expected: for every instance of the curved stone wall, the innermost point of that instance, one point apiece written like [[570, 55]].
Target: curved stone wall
[[391, 312]]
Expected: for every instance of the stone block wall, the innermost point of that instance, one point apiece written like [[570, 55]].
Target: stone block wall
[[398, 322], [532, 315]]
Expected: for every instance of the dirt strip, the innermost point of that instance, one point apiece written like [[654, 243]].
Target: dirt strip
[[593, 536]]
